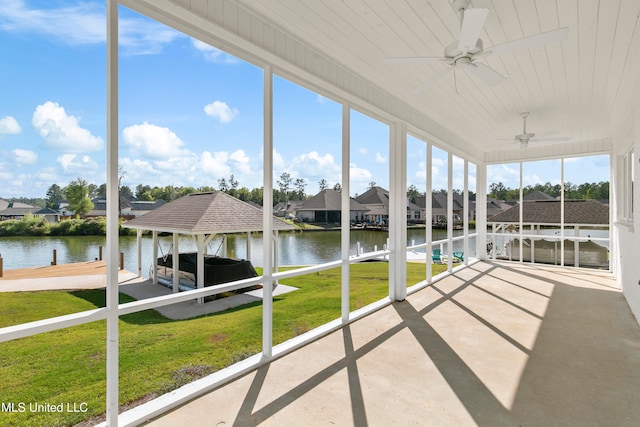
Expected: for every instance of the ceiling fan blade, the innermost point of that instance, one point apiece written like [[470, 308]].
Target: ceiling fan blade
[[416, 59], [472, 23], [528, 42], [551, 139], [435, 78], [545, 135], [485, 73]]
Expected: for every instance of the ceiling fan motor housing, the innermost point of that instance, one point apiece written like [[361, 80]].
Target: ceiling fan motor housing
[[452, 51]]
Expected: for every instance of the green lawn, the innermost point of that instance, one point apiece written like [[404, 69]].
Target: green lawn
[[156, 354]]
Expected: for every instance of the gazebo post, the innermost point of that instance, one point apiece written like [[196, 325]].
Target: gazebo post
[[139, 248], [202, 246], [249, 245], [225, 248], [154, 269], [176, 264]]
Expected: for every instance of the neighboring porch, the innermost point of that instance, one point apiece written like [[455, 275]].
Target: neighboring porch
[[497, 343]]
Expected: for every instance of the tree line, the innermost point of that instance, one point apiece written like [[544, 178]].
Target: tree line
[[79, 193], [597, 191]]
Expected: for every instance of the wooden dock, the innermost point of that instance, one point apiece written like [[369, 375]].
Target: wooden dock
[[60, 270]]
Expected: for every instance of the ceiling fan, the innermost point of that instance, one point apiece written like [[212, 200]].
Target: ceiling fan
[[465, 52], [525, 137]]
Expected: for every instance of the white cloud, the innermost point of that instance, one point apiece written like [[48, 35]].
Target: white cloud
[[312, 164], [84, 23], [360, 175], [25, 157], [62, 131], [363, 151], [380, 158], [242, 161], [278, 161], [141, 36], [153, 141], [215, 164], [73, 163], [221, 111], [213, 54], [9, 125]]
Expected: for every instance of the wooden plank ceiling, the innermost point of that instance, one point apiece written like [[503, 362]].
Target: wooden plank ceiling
[[579, 88]]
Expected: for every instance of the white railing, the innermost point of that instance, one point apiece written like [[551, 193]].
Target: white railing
[[497, 246]]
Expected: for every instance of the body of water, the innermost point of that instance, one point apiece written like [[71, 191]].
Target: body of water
[[294, 248]]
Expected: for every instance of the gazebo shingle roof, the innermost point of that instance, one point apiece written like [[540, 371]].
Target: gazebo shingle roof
[[548, 212], [204, 213]]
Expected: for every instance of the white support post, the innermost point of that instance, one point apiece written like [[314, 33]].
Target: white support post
[[275, 252], [465, 211], [562, 200], [481, 211], [450, 212], [267, 217], [154, 268], [576, 247], [521, 215], [398, 212], [428, 215], [176, 264], [139, 251], [533, 245], [345, 232], [112, 295]]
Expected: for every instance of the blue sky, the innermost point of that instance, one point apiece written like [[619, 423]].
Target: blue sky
[[189, 113]]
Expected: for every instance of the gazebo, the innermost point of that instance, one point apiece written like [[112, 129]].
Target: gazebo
[[202, 216]]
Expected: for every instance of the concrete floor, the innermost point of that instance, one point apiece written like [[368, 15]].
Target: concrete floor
[[497, 344]]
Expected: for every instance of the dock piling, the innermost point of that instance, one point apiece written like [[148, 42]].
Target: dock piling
[[55, 257]]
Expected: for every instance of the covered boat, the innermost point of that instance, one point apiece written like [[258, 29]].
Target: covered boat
[[217, 270]]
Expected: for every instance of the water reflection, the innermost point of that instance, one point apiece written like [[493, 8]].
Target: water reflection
[[294, 248]]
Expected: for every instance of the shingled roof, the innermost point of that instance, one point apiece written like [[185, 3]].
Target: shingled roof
[[205, 213], [329, 200], [374, 195], [548, 212]]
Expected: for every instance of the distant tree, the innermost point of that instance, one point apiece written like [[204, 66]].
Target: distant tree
[[77, 195], [244, 194], [284, 183], [93, 191], [338, 187], [498, 191], [300, 185], [371, 185], [101, 191], [257, 195], [222, 185], [125, 192], [143, 192], [412, 191], [322, 185], [167, 193], [183, 191], [233, 184], [54, 196]]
